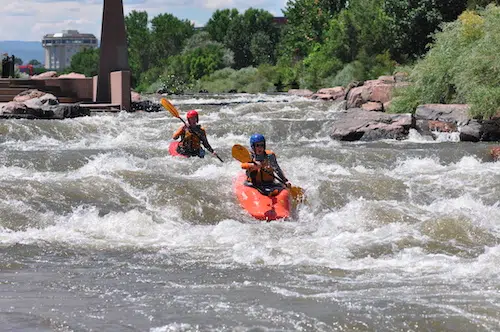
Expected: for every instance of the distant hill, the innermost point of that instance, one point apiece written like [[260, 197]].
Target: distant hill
[[26, 50]]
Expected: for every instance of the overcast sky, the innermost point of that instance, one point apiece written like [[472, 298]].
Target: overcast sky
[[31, 19]]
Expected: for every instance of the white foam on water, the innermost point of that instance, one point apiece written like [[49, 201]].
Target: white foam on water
[[173, 327], [419, 166], [351, 237], [437, 137], [469, 206], [447, 137], [415, 136], [238, 98], [327, 239]]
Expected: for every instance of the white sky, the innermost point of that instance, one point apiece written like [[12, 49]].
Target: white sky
[[30, 20]]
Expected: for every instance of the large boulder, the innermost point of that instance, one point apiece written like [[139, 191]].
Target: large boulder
[[455, 118], [354, 97], [46, 99], [373, 106], [13, 107], [450, 113], [28, 94], [72, 75], [44, 107], [471, 131], [135, 96], [336, 93], [378, 91], [301, 92], [63, 111], [47, 74], [481, 130], [357, 124], [495, 153]]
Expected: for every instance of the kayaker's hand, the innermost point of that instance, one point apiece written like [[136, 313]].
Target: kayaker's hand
[[255, 167], [288, 184]]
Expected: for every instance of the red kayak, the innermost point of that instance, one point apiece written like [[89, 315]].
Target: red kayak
[[261, 206], [172, 149]]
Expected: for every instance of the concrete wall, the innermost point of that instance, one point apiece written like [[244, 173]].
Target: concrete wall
[[119, 86], [81, 88]]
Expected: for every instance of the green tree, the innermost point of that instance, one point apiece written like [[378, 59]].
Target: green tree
[[199, 39], [359, 35], [34, 63], [414, 21], [220, 21], [474, 4], [202, 39], [264, 35], [261, 49], [246, 35], [18, 61], [204, 61], [196, 63], [238, 41], [139, 43], [168, 35], [85, 62], [307, 20]]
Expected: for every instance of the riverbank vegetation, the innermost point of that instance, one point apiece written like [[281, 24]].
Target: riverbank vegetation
[[462, 66], [322, 43]]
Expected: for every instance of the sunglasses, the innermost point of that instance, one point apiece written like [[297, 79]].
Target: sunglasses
[[259, 145]]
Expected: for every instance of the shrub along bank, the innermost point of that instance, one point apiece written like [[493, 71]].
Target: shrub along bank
[[462, 66]]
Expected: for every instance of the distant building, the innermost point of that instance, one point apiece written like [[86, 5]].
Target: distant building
[[280, 20], [60, 47]]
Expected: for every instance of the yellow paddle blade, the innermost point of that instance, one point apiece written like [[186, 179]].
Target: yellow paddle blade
[[297, 194], [169, 107], [241, 153]]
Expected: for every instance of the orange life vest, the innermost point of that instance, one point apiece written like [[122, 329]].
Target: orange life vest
[[265, 174], [190, 141]]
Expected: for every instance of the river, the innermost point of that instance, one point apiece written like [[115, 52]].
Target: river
[[102, 230]]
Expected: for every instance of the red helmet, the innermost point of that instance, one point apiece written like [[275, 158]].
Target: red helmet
[[192, 114]]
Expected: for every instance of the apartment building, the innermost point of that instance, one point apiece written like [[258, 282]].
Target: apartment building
[[60, 47]]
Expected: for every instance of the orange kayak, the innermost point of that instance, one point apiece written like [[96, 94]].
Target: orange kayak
[[172, 149], [261, 206]]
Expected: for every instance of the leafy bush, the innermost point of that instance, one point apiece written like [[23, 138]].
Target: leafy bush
[[85, 62], [351, 72], [148, 78], [405, 99], [249, 79], [462, 66]]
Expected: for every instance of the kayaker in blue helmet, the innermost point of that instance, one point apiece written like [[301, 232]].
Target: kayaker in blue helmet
[[263, 166]]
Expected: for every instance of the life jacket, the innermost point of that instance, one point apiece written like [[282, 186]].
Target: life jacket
[[190, 141], [260, 176]]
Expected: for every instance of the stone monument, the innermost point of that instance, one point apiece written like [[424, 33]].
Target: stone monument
[[114, 71]]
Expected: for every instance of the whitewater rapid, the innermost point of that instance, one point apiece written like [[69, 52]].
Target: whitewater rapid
[[101, 229]]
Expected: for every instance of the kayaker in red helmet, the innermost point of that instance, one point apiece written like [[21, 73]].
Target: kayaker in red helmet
[[192, 137], [263, 166]]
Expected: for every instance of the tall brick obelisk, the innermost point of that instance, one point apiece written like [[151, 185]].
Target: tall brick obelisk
[[113, 54]]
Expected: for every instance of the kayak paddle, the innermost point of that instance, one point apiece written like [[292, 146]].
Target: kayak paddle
[[242, 154], [175, 113]]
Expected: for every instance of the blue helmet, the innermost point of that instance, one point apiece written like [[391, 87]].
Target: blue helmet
[[255, 138]]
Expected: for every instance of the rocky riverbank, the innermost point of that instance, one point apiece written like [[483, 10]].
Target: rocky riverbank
[[365, 117], [35, 104]]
